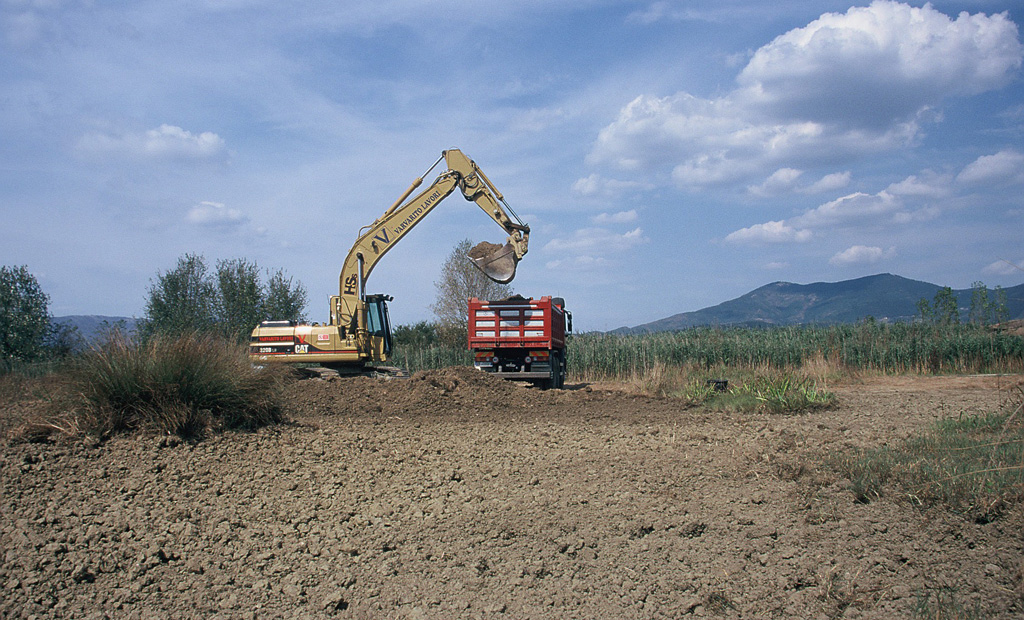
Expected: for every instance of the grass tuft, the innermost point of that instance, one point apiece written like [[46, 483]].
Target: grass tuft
[[943, 604], [178, 385], [756, 390], [973, 464]]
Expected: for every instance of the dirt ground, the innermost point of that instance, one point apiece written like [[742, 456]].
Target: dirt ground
[[455, 495]]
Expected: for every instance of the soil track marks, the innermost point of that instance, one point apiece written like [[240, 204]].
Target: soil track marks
[[455, 495]]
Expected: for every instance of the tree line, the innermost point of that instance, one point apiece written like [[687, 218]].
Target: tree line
[[987, 307], [227, 301]]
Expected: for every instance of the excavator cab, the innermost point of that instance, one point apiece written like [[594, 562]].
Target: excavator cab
[[378, 323]]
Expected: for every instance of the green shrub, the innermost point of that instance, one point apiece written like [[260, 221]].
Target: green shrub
[[181, 385]]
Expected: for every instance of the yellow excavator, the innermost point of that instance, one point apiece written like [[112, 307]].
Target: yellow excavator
[[359, 332]]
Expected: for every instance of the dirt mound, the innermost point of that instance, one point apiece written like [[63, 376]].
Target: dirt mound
[[1015, 327], [484, 249], [459, 391]]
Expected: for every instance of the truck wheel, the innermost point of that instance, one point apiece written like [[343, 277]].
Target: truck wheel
[[561, 369], [551, 381], [557, 380]]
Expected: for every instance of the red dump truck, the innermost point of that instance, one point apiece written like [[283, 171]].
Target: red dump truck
[[521, 339]]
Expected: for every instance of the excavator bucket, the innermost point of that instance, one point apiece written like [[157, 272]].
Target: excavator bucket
[[498, 262]]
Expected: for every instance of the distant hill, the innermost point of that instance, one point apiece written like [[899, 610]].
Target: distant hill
[[885, 297], [91, 326]]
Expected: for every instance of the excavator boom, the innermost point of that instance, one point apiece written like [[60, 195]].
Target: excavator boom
[[497, 262], [359, 329]]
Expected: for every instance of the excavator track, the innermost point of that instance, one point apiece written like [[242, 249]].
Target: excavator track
[[378, 372]]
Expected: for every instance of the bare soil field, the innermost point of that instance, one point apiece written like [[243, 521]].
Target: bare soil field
[[455, 495]]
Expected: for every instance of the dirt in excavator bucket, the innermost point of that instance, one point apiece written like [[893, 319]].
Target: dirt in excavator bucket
[[498, 262]]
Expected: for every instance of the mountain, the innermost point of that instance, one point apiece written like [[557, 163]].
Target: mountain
[[91, 326], [884, 296]]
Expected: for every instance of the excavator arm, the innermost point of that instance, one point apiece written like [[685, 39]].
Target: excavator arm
[[497, 262]]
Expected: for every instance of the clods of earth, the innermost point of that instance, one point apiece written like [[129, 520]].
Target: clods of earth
[[456, 495]]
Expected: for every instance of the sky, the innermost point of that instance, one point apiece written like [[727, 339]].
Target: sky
[[668, 156]]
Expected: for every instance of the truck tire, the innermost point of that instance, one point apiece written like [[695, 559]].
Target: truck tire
[[561, 369], [565, 370], [551, 381], [557, 380]]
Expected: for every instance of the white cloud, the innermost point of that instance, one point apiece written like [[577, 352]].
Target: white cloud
[[1005, 167], [166, 141], [657, 11], [843, 86], [856, 207], [592, 248], [854, 211], [769, 232], [578, 263], [215, 214], [596, 185], [539, 119], [829, 183], [875, 65], [1005, 268], [928, 185], [786, 180], [861, 255], [598, 240], [781, 181], [621, 217]]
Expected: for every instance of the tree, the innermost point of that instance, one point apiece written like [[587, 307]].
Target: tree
[[944, 309], [925, 309], [981, 308], [230, 302], [420, 335], [1000, 311], [239, 296], [461, 280], [25, 322], [284, 300], [182, 300]]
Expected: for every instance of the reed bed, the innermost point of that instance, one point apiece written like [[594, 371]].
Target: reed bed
[[869, 346], [896, 348]]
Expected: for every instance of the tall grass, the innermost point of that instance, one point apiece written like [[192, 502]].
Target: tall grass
[[894, 348], [180, 385], [431, 357], [868, 346]]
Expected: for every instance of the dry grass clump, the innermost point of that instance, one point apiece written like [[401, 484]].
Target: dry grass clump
[[34, 407], [180, 385], [973, 464]]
